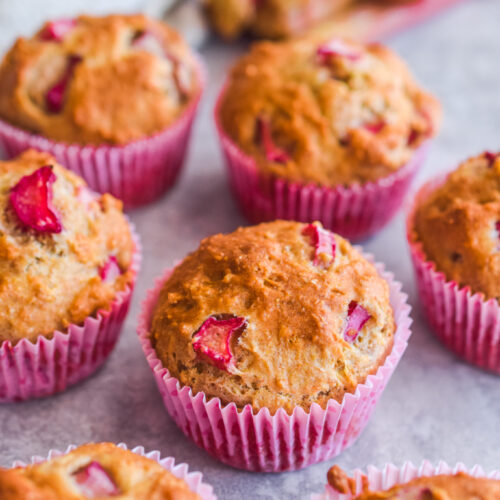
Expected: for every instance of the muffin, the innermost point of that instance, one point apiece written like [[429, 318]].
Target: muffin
[[333, 131], [270, 19], [452, 485], [101, 470], [106, 82], [458, 274], [67, 256], [274, 321]]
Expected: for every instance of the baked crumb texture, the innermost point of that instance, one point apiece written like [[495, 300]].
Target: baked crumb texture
[[94, 471], [95, 80], [61, 259], [331, 113], [281, 314], [269, 18], [458, 225], [459, 486]]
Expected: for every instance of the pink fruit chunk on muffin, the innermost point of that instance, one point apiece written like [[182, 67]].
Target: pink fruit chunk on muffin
[[330, 113], [279, 315], [64, 252], [94, 471], [458, 486], [458, 225], [96, 80]]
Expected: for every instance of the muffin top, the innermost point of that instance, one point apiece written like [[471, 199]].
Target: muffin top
[[331, 113], [465, 208], [64, 251], [94, 80], [101, 471], [281, 314], [459, 486]]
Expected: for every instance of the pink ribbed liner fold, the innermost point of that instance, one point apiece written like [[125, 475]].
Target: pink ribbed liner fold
[[465, 322], [48, 366], [355, 212], [273, 443], [194, 480], [390, 475], [137, 173]]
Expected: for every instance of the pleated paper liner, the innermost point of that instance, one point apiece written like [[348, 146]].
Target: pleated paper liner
[[280, 442]]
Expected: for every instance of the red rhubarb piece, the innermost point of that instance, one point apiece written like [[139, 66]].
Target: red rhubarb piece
[[56, 31], [490, 157], [93, 481], [110, 270], [324, 244], [375, 127], [273, 153], [357, 316], [31, 199], [212, 342], [336, 47], [54, 98]]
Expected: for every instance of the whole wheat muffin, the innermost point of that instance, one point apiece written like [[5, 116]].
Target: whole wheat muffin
[[64, 252], [95, 80], [268, 18], [100, 470], [459, 486], [334, 113], [281, 314], [458, 224]]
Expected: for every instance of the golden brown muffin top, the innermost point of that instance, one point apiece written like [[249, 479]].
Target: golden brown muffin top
[[95, 80], [331, 113], [281, 314], [458, 224], [101, 470], [64, 251], [268, 18], [458, 486]]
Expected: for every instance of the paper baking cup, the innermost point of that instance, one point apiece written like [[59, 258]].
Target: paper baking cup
[[137, 173], [465, 322], [279, 442], [48, 366], [355, 212], [194, 480], [390, 475]]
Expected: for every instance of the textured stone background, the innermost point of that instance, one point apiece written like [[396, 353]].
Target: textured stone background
[[435, 406]]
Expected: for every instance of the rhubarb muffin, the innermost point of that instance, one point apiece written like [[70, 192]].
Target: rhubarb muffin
[[280, 315], [101, 470], [269, 18], [460, 486], [65, 253], [335, 113], [466, 209], [95, 80]]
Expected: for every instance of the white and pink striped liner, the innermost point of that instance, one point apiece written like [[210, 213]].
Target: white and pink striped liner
[[466, 323], [194, 480], [390, 475], [279, 442]]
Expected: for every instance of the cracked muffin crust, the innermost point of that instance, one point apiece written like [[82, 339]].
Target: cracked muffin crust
[[96, 80], [458, 225], [64, 251], [101, 470], [277, 315], [331, 113], [458, 486], [268, 18]]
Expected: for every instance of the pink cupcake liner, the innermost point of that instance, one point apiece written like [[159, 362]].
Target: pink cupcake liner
[[280, 442], [466, 323], [137, 173], [390, 475], [355, 212], [194, 480], [48, 366]]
